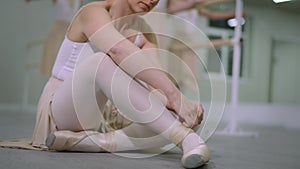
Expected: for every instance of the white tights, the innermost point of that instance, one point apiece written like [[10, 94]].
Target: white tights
[[66, 118]]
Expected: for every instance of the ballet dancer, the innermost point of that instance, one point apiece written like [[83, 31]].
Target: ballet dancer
[[166, 117]]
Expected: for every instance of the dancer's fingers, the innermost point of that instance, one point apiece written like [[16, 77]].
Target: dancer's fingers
[[200, 111], [198, 119], [190, 121]]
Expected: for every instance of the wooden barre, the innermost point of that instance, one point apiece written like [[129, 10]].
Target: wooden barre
[[212, 43], [216, 14]]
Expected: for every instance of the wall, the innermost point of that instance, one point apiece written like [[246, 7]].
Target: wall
[[263, 25], [22, 23], [266, 24]]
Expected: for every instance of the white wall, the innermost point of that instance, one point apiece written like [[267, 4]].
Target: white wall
[[263, 25], [266, 24]]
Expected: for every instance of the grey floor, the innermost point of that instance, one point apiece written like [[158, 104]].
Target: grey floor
[[274, 148]]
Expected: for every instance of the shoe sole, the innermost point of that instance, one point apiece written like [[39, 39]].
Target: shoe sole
[[50, 140], [193, 161]]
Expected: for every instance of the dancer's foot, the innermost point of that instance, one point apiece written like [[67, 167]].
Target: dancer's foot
[[196, 157], [196, 153], [66, 140]]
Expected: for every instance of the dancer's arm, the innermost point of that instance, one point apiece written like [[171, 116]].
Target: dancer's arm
[[145, 44], [141, 41], [96, 26], [215, 15]]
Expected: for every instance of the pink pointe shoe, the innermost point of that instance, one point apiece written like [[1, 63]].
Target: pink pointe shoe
[[196, 157], [65, 140]]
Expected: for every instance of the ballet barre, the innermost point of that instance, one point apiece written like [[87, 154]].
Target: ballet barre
[[209, 44]]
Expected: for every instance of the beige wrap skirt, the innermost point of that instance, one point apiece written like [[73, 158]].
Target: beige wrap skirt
[[44, 121], [112, 120]]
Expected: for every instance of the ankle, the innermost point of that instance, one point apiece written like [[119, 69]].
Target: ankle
[[191, 141]]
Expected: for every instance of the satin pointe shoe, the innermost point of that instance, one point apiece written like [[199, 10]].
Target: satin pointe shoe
[[64, 140], [196, 157]]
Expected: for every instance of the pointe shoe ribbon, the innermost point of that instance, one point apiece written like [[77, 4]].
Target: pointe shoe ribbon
[[178, 134]]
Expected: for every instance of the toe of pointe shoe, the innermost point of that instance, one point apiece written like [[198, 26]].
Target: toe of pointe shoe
[[57, 140], [50, 140], [196, 157]]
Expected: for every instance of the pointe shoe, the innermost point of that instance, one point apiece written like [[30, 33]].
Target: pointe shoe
[[196, 157], [65, 140]]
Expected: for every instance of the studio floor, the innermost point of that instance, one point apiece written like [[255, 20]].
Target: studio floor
[[275, 148]]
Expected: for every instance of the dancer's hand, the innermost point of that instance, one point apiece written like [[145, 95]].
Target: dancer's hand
[[190, 112]]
